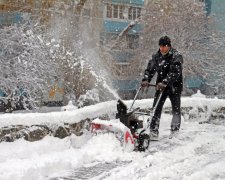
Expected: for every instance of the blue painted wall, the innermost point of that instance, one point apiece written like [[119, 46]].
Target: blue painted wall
[[131, 2], [118, 26], [208, 6], [2, 93], [8, 18], [193, 82], [218, 11]]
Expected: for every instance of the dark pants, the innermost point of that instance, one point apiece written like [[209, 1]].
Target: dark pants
[[175, 99]]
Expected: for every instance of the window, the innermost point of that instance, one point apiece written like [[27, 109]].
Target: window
[[109, 11], [115, 11], [134, 13], [121, 11], [86, 12], [118, 11], [132, 41]]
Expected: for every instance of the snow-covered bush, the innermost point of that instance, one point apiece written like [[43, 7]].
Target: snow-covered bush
[[25, 63], [91, 97]]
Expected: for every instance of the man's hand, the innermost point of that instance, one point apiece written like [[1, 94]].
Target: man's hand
[[160, 86], [144, 84]]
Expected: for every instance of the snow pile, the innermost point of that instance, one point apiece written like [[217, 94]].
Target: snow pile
[[69, 107], [91, 97], [99, 109], [198, 95]]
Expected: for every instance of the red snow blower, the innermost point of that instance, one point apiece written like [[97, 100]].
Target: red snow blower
[[128, 126]]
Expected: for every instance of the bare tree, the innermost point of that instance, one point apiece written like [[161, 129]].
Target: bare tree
[[192, 33], [184, 21]]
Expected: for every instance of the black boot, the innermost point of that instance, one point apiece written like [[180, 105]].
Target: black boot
[[154, 129]]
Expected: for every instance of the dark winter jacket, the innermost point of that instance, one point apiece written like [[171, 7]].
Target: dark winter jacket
[[169, 69]]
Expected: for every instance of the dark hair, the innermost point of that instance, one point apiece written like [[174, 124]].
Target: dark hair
[[164, 41]]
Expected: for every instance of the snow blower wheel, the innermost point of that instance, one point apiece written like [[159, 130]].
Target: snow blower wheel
[[143, 141]]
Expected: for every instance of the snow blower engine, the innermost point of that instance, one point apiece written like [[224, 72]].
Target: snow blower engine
[[128, 119], [130, 126]]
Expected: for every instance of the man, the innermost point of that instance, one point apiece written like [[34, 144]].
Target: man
[[167, 62]]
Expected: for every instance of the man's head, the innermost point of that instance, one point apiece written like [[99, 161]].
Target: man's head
[[164, 44]]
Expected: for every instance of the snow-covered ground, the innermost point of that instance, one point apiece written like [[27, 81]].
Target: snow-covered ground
[[198, 152]]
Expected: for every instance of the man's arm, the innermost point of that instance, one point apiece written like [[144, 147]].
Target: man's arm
[[175, 70], [151, 70]]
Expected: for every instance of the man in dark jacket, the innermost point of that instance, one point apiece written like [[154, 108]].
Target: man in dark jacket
[[167, 62]]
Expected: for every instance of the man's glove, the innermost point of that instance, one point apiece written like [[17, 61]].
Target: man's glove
[[144, 84], [160, 86]]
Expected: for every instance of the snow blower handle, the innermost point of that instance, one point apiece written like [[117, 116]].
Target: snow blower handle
[[154, 108], [157, 102], [135, 97], [151, 85]]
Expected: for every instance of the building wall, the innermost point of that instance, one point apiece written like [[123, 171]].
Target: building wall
[[218, 11], [13, 11], [8, 18], [118, 15]]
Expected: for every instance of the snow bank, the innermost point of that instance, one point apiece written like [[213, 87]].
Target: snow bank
[[109, 107]]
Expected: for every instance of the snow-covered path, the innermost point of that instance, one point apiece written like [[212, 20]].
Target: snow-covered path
[[198, 152]]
